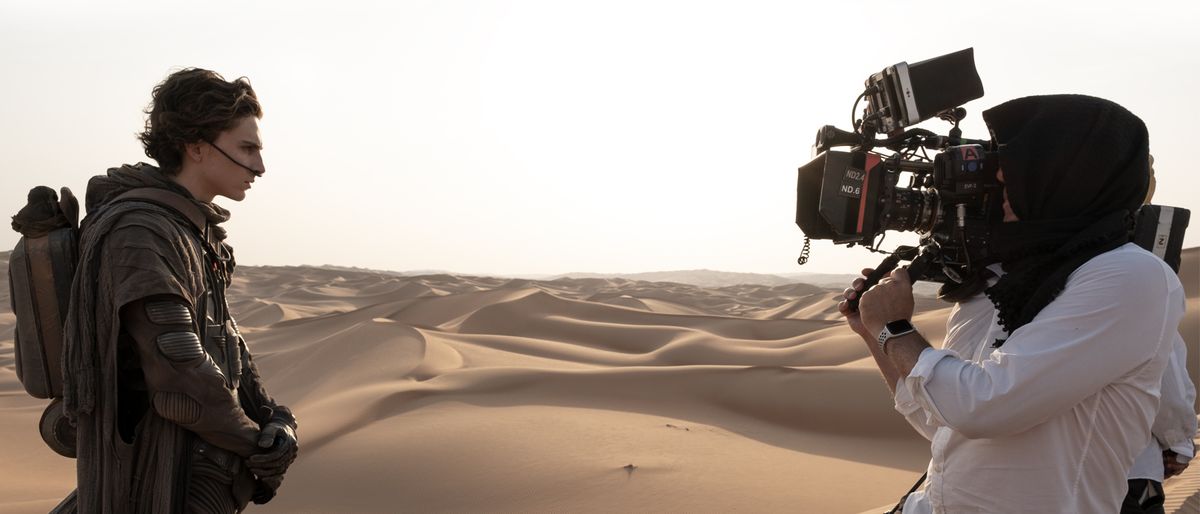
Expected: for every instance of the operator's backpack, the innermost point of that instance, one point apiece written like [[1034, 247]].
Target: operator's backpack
[[1159, 229], [40, 271]]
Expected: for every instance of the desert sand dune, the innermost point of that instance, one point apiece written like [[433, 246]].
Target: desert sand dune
[[446, 393]]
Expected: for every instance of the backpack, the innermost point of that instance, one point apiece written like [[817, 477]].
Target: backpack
[[40, 271], [1159, 229]]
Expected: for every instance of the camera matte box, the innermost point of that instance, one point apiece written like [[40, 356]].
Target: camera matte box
[[837, 198]]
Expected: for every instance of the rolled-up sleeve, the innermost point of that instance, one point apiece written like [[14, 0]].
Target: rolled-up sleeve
[[916, 408], [966, 330], [1110, 318]]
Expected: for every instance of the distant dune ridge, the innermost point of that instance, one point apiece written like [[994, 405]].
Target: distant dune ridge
[[448, 393], [701, 277]]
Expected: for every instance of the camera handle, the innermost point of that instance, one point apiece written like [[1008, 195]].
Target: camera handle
[[920, 257]]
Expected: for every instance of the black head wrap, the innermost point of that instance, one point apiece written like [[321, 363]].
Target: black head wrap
[[1075, 168]]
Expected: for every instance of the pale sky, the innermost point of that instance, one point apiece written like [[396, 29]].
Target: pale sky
[[530, 137]]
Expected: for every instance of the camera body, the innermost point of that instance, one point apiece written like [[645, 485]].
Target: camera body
[[950, 199]]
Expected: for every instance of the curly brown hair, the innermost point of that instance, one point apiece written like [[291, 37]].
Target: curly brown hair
[[193, 105]]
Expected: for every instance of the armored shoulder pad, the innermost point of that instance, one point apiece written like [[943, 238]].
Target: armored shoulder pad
[[180, 346], [168, 313]]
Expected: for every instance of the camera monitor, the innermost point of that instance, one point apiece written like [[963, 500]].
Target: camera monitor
[[906, 94]]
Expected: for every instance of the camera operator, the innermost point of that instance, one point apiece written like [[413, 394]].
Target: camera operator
[[1044, 391]]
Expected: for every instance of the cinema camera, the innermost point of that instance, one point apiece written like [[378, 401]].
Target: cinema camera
[[950, 199]]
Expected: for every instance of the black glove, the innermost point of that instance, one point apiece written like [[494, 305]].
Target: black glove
[[278, 439], [264, 489]]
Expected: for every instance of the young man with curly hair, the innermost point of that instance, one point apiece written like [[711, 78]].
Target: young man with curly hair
[[170, 410]]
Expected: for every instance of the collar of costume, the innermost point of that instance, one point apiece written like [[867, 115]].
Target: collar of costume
[[1075, 169], [102, 189]]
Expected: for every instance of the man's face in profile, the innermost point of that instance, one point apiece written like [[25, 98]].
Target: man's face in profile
[[242, 143]]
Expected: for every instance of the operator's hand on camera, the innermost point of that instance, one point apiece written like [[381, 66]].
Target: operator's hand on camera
[[890, 300], [852, 317]]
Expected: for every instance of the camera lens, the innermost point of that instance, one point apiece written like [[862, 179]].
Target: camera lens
[[911, 210]]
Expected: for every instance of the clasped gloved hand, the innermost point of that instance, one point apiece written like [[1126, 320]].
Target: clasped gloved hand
[[264, 490], [278, 441]]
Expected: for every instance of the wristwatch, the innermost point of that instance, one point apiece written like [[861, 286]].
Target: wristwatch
[[894, 329]]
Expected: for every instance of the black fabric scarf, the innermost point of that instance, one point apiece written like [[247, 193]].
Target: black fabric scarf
[[1075, 168], [1039, 272]]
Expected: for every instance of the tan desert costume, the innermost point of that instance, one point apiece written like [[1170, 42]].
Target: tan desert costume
[[166, 397]]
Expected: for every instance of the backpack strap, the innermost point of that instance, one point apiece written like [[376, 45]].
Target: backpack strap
[[163, 198]]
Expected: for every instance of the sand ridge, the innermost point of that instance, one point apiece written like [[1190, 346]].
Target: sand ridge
[[447, 393]]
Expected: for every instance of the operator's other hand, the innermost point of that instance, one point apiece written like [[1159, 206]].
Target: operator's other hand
[[852, 317], [891, 299], [1171, 465]]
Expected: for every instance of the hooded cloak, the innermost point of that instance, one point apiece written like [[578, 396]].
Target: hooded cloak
[[130, 251]]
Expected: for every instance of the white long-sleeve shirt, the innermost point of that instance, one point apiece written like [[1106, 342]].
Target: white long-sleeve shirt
[[1175, 425], [1052, 420]]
